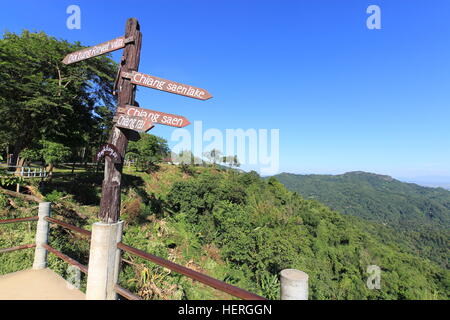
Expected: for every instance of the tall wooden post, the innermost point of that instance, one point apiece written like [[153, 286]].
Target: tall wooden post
[[110, 201]]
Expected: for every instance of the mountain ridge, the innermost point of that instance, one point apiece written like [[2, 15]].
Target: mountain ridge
[[367, 184], [421, 213]]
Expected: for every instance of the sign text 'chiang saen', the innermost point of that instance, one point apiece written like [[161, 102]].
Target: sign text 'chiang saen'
[[155, 116]]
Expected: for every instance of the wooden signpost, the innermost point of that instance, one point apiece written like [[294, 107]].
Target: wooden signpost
[[129, 118], [166, 85]]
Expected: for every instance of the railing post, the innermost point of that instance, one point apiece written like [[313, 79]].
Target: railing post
[[104, 261], [294, 285], [40, 253]]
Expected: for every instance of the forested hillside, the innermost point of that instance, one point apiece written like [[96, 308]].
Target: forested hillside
[[422, 214], [236, 227]]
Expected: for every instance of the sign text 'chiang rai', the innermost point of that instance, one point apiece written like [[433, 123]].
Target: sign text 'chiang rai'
[[133, 123]]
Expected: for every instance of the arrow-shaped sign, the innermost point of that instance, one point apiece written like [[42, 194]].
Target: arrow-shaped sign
[[155, 116], [133, 123], [166, 85], [97, 50]]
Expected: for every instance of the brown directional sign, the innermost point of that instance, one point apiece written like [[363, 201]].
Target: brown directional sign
[[97, 50], [166, 85], [155, 116], [109, 150], [133, 123]]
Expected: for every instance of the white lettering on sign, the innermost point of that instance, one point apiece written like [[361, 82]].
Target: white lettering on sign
[[131, 123], [110, 151], [172, 121], [167, 85], [95, 50], [185, 90], [148, 81], [156, 116]]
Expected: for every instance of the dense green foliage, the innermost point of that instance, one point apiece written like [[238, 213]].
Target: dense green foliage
[[43, 99], [262, 228], [7, 179], [374, 197], [420, 214], [242, 229], [147, 151]]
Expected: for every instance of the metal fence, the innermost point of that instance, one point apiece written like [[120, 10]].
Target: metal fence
[[25, 172]]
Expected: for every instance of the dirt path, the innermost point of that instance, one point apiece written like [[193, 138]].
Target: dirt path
[[36, 285]]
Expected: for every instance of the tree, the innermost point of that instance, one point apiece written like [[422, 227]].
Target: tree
[[231, 161], [53, 153], [148, 151], [213, 156], [227, 160], [43, 99], [30, 154], [185, 157], [236, 162]]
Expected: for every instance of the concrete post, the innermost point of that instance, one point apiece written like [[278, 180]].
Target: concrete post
[[40, 253], [104, 261], [294, 285]]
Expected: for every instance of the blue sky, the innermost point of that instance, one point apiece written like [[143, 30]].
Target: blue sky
[[344, 97]]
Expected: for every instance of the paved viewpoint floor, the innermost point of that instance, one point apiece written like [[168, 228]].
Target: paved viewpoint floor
[[36, 285]]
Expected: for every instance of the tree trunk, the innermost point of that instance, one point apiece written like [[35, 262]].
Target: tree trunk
[[15, 158], [20, 163], [50, 171]]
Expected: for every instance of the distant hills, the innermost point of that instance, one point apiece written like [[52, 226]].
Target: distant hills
[[374, 197], [422, 214]]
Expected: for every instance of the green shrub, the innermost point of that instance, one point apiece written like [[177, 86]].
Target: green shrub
[[54, 196]]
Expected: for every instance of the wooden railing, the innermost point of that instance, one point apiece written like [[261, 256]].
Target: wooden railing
[[217, 284], [18, 220], [63, 224], [200, 277], [61, 255]]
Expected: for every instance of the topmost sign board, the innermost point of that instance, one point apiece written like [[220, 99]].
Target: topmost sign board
[[97, 50]]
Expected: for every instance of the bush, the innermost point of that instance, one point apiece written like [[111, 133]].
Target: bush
[[3, 201], [54, 196]]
